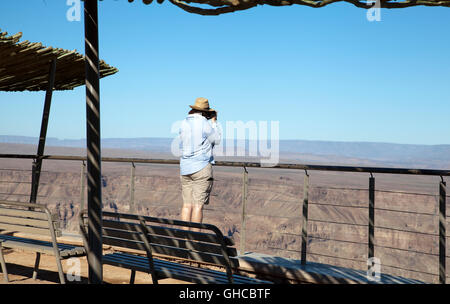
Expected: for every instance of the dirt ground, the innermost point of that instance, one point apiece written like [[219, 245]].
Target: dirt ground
[[20, 265]]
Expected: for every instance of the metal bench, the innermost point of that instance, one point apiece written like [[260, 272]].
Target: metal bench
[[152, 236], [33, 219]]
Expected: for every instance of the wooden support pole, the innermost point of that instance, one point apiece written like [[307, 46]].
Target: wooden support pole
[[37, 163], [94, 179]]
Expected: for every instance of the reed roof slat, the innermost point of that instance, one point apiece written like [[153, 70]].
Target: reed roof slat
[[24, 66]]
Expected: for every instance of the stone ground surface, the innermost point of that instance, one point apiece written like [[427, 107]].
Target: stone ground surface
[[20, 266]]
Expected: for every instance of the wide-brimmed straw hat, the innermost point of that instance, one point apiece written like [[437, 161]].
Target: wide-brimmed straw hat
[[202, 104]]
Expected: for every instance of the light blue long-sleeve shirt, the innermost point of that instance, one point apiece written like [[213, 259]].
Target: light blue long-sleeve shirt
[[198, 137]]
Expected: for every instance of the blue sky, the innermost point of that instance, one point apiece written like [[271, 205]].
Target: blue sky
[[324, 74]]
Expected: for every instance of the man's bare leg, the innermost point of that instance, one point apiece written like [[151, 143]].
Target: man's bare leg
[[197, 215], [186, 213]]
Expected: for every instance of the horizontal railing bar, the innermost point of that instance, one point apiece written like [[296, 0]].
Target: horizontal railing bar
[[248, 165], [276, 216], [337, 205], [402, 211], [402, 230], [360, 243], [334, 240], [403, 192], [407, 269], [15, 182], [148, 190], [339, 223], [284, 185], [338, 188], [257, 189], [62, 184], [287, 233], [22, 194], [250, 214], [298, 202], [336, 257], [151, 176], [407, 250], [283, 249]]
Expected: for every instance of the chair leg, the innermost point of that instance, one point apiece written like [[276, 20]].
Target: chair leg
[[3, 264], [36, 265], [133, 276], [60, 271]]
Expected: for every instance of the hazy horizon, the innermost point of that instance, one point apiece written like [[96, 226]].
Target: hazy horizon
[[298, 151], [3, 136]]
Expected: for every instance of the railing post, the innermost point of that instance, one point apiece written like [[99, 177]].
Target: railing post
[[305, 218], [133, 169], [371, 252], [34, 182], [82, 183], [442, 230], [244, 207]]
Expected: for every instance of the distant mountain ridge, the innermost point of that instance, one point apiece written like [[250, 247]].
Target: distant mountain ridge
[[372, 153]]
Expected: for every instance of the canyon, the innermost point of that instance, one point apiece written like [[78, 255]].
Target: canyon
[[406, 215]]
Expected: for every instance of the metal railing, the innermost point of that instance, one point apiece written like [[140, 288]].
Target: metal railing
[[306, 203]]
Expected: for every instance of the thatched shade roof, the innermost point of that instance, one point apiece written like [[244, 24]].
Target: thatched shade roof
[[24, 66]]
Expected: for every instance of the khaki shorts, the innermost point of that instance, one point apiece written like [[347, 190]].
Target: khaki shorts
[[196, 187]]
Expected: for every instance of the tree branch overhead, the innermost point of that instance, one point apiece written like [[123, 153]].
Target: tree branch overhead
[[219, 7]]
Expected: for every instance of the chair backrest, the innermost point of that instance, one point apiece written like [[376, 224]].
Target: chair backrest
[[172, 238], [28, 218], [159, 236], [116, 232], [125, 234]]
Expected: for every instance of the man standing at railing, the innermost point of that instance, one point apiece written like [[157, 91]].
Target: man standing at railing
[[199, 133]]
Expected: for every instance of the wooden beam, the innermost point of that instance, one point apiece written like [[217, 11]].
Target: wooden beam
[[93, 142], [37, 164]]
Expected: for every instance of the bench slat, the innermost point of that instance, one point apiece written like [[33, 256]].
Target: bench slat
[[40, 215], [26, 229], [190, 255], [122, 234], [66, 250], [167, 269], [172, 232], [196, 246], [183, 234], [40, 223], [29, 246], [169, 251], [125, 243], [169, 241], [121, 225]]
